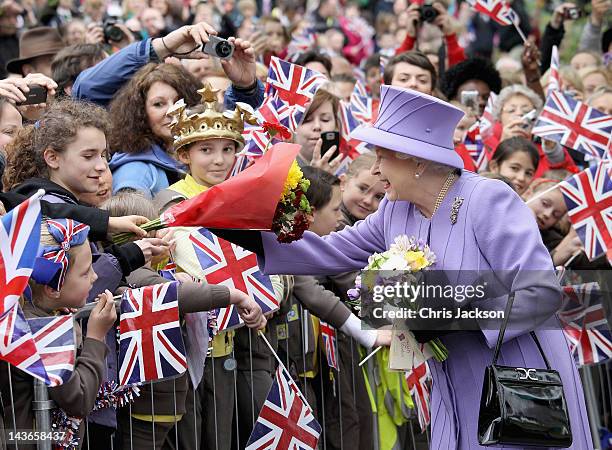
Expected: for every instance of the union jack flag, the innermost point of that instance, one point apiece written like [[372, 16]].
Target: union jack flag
[[588, 196], [554, 79], [360, 88], [295, 85], [301, 42], [225, 263], [276, 110], [19, 241], [17, 346], [475, 147], [362, 107], [486, 121], [330, 343], [55, 342], [150, 343], [256, 140], [498, 10], [349, 147], [168, 270], [585, 324], [574, 124], [418, 380], [286, 421]]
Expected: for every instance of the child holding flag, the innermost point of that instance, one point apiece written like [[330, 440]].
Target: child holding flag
[[62, 278]]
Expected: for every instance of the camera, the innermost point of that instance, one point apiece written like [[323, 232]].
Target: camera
[[572, 13], [112, 33], [218, 47], [529, 119], [470, 99], [428, 13]]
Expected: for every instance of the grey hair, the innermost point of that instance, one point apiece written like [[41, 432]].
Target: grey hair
[[434, 166], [510, 91]]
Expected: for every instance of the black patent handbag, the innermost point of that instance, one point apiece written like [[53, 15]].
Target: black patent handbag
[[522, 406]]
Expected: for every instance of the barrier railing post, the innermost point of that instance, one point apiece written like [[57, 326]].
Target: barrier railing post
[[591, 404], [42, 407]]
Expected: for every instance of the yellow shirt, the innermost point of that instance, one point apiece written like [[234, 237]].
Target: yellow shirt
[[223, 343]]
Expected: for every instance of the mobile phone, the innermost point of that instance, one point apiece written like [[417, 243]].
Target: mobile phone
[[572, 13], [529, 118], [469, 99], [330, 138], [36, 95]]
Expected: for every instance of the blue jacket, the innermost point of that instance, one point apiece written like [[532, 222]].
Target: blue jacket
[[146, 172], [99, 83]]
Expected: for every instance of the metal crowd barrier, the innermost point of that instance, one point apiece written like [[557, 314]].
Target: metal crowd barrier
[[596, 380]]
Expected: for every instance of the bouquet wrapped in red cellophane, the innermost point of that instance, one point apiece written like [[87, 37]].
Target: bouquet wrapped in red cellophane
[[268, 195]]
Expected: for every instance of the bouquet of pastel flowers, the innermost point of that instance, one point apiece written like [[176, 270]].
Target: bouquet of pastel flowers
[[402, 263]]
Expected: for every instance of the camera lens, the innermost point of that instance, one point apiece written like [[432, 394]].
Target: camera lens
[[113, 33], [428, 13], [223, 49]]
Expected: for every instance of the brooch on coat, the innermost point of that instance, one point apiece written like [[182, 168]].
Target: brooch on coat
[[455, 209]]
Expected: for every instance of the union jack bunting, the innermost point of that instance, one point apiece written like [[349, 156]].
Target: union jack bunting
[[554, 79], [225, 263], [574, 124], [55, 342], [588, 196], [585, 325], [330, 344], [418, 380], [295, 85], [475, 146], [486, 121], [498, 10], [286, 421], [150, 343], [17, 346], [350, 148], [19, 241]]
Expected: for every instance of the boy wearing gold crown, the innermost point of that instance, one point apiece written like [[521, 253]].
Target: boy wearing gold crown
[[206, 140]]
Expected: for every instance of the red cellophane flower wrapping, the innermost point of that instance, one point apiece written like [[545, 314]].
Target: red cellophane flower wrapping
[[245, 201]]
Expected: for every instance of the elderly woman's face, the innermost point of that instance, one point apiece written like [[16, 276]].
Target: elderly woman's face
[[514, 108], [396, 175]]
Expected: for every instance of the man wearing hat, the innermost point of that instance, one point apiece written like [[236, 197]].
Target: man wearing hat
[[37, 47], [471, 224]]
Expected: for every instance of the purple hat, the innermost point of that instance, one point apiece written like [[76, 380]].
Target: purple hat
[[415, 124]]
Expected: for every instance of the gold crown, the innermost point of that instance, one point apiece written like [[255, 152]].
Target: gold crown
[[209, 124]]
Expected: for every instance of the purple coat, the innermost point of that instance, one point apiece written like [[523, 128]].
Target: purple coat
[[494, 230]]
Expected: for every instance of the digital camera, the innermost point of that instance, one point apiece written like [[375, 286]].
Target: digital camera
[[218, 47]]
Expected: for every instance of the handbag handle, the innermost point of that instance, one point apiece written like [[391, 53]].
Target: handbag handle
[[502, 331]]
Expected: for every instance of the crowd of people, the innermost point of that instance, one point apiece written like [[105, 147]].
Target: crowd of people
[[97, 138]]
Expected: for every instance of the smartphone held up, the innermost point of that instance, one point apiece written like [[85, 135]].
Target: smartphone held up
[[36, 95]]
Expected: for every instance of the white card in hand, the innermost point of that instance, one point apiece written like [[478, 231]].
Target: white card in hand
[[405, 352]]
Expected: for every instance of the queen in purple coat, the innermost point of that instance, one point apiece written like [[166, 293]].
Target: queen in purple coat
[[471, 223]]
